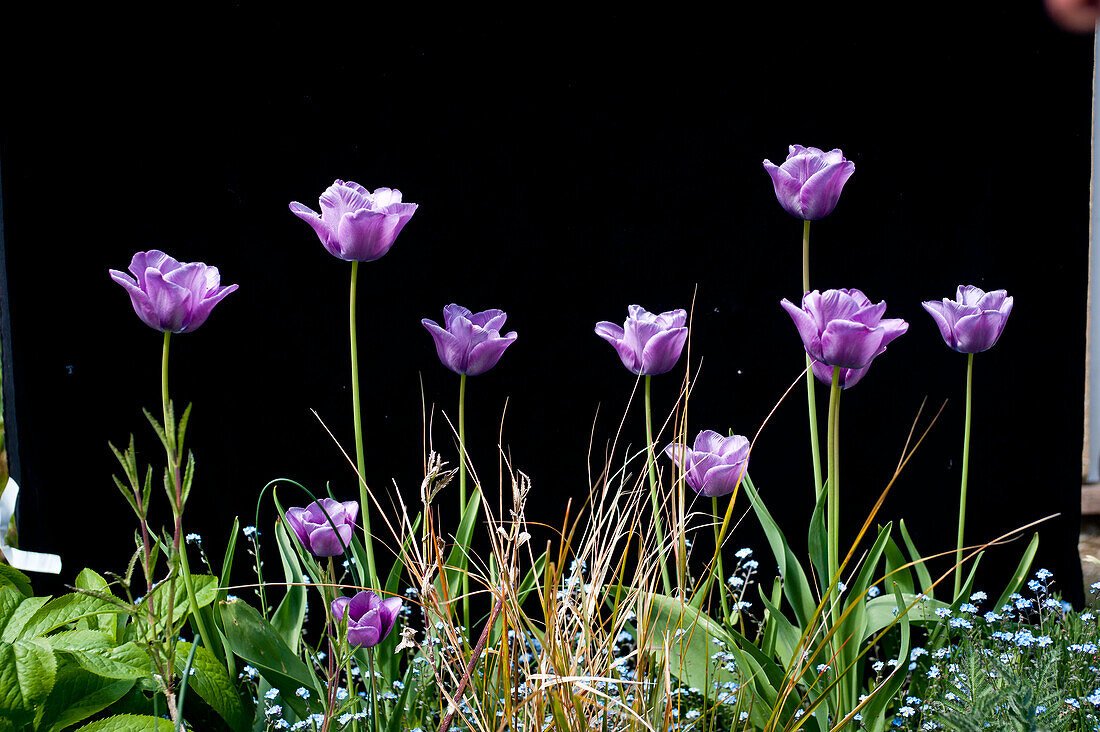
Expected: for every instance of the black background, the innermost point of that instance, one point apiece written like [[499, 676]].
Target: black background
[[566, 165]]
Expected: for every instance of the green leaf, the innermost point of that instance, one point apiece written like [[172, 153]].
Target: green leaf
[[254, 640], [457, 559], [129, 723], [27, 673], [1021, 572], [795, 586], [12, 577], [127, 661], [211, 682], [90, 580], [920, 567], [818, 539], [895, 562], [874, 712], [689, 635], [206, 589], [63, 610], [10, 601], [882, 611], [288, 618], [77, 695]]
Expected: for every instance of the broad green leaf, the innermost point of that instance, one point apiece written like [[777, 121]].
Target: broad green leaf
[[63, 610], [129, 723], [254, 640], [818, 543], [786, 635], [1021, 572], [882, 611], [874, 712], [689, 635], [100, 656], [27, 673], [77, 695], [12, 577], [206, 589], [10, 602], [211, 682]]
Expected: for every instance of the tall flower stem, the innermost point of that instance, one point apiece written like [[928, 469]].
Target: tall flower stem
[[965, 473], [651, 463], [833, 447], [815, 443], [462, 489], [360, 460]]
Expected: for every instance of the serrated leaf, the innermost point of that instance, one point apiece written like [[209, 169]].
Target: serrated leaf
[[63, 610], [12, 577], [77, 695], [127, 661], [206, 590], [10, 600], [211, 682], [27, 673], [129, 723], [93, 582]]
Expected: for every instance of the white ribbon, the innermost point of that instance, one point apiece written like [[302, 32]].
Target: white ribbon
[[28, 561]]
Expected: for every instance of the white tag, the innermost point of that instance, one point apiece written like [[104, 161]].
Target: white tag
[[28, 561]]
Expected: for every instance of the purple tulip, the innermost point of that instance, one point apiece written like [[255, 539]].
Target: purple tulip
[[469, 343], [973, 321], [715, 465], [315, 531], [370, 618], [355, 224], [809, 182], [171, 296], [647, 343], [843, 327], [848, 377]]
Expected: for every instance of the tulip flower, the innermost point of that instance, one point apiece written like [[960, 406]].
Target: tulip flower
[[808, 183], [974, 320], [370, 618], [714, 465], [354, 224], [848, 377], [320, 536], [469, 343], [171, 296], [843, 327], [646, 343]]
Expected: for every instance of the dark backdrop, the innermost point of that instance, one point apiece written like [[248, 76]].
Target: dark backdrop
[[566, 165]]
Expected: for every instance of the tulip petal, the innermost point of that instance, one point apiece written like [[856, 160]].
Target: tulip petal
[[662, 351], [807, 328], [821, 191], [979, 332], [849, 344], [722, 479], [366, 235], [362, 603], [387, 616], [447, 346], [488, 319], [324, 542], [452, 311], [311, 217], [170, 302], [339, 606], [365, 636], [942, 315], [485, 355], [734, 448], [201, 311]]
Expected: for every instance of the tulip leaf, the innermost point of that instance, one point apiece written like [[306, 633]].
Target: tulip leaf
[[210, 681], [77, 695], [795, 586], [690, 636], [883, 611], [896, 571], [818, 543], [256, 642], [457, 559], [288, 618], [1021, 572], [129, 723], [920, 567], [874, 711]]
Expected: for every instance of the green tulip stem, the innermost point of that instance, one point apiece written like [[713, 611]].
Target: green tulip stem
[[718, 536], [357, 419], [373, 692], [651, 464], [834, 485], [965, 473], [462, 490], [815, 443]]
